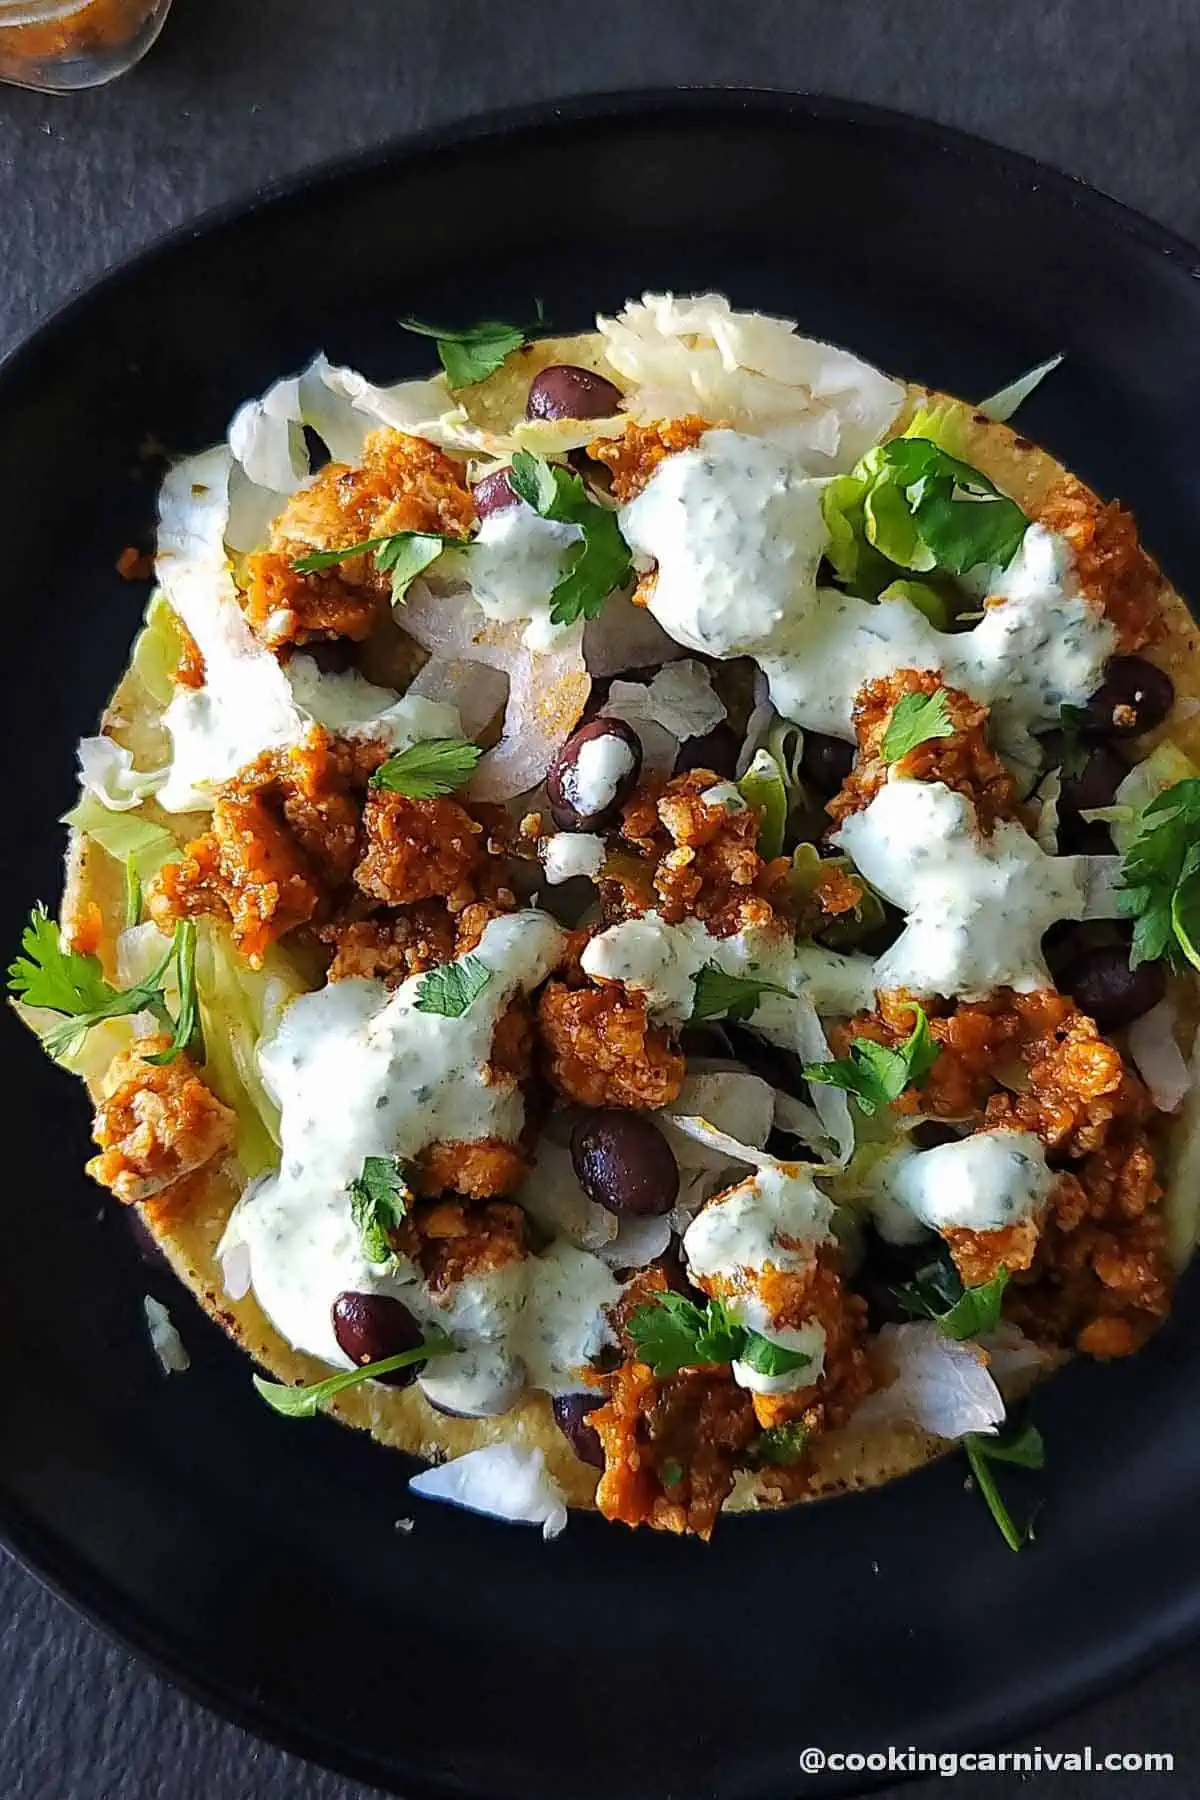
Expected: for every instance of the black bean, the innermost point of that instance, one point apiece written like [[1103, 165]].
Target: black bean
[[1096, 783], [564, 391], [494, 493], [571, 1416], [825, 761], [1103, 985], [369, 1327], [931, 1134], [716, 750], [570, 808], [1135, 696], [624, 1162]]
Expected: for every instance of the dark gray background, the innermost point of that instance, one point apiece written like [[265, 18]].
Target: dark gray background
[[239, 92]]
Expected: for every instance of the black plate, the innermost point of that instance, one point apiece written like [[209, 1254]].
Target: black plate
[[257, 1560]]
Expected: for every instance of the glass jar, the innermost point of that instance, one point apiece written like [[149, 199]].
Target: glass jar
[[60, 45]]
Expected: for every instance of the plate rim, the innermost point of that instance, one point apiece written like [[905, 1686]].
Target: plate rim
[[40, 1551]]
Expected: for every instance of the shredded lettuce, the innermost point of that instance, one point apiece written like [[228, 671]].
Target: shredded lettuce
[[238, 1007], [126, 836], [1164, 766], [158, 649], [763, 786], [1001, 405]]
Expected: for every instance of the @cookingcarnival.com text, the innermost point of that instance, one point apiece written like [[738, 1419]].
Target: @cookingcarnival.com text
[[906, 1759]]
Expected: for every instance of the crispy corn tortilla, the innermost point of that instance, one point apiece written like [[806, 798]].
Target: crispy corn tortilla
[[402, 1417]]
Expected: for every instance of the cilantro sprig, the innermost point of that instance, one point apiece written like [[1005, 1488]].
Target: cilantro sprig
[[425, 770], [915, 719], [471, 354], [380, 1197], [73, 983], [600, 562], [1160, 880], [304, 1402], [672, 1332], [960, 1312], [449, 991], [733, 997], [961, 517], [403, 555], [876, 1074], [1024, 1448]]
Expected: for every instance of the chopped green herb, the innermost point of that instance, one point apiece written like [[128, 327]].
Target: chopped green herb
[[379, 1201], [425, 770], [781, 1445], [73, 983], [766, 1357], [877, 1075], [915, 719], [1161, 879], [404, 555], [734, 997], [1074, 750], [472, 354], [961, 1312], [303, 1402], [1026, 1449], [600, 562], [672, 1332], [671, 1472], [449, 990], [961, 517]]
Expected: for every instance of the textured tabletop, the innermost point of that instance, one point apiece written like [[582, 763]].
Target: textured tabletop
[[240, 92]]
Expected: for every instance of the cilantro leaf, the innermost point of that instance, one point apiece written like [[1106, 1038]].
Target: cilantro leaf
[[450, 990], [781, 1445], [766, 1357], [425, 770], [733, 997], [379, 1200], [596, 565], [915, 719], [66, 981], [875, 1074], [1024, 1448], [72, 983], [1160, 880], [303, 1402], [961, 1312], [672, 1332], [403, 555], [472, 354], [960, 516]]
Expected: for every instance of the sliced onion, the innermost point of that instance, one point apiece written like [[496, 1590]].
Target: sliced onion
[[547, 690], [623, 636], [479, 691], [680, 698], [165, 1340], [758, 726], [1159, 1060], [637, 1242], [501, 1482], [1100, 884], [1011, 1353], [941, 1385]]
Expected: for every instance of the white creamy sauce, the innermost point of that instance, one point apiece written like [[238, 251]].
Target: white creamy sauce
[[737, 533], [725, 795], [738, 537], [592, 781], [359, 1072], [249, 703], [773, 1220], [663, 961], [984, 1182], [568, 854], [514, 562], [977, 907]]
